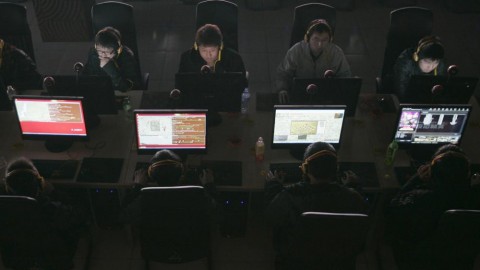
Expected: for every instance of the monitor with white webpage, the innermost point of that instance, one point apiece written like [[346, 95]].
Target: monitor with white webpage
[[297, 126], [183, 131]]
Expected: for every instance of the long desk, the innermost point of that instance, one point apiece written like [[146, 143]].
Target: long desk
[[365, 139]]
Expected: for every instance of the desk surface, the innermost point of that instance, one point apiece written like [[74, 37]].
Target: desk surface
[[365, 139]]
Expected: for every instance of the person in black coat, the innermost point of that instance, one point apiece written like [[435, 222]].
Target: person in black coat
[[110, 57]]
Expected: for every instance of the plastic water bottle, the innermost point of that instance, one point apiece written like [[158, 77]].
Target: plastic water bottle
[[245, 100], [391, 151], [127, 108], [11, 92], [260, 149]]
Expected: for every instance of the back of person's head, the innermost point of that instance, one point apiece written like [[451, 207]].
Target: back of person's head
[[318, 26], [109, 37], [429, 47], [320, 160], [208, 35], [166, 168], [450, 167], [23, 179]]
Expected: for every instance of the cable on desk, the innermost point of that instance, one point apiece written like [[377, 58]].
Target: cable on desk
[[95, 147]]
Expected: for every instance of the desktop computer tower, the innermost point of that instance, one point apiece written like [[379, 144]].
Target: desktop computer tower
[[233, 208]]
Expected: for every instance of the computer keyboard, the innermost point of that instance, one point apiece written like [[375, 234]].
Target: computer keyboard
[[365, 171], [100, 170], [56, 169], [225, 173]]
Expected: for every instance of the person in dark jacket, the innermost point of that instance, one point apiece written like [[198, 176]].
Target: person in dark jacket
[[17, 69], [64, 219], [110, 57], [319, 191], [413, 214], [166, 169], [425, 59], [208, 52]]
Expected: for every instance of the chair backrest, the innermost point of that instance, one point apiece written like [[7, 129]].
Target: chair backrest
[[457, 238], [174, 224], [21, 229], [222, 13], [120, 16], [329, 238], [407, 26], [306, 13], [14, 27]]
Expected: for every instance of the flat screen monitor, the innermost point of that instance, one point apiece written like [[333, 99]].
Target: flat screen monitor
[[183, 131], [440, 89], [58, 120], [297, 126], [431, 124], [218, 92], [97, 90], [327, 91]]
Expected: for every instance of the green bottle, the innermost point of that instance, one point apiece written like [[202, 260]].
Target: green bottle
[[391, 151]]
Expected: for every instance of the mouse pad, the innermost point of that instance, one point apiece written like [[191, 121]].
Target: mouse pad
[[100, 170]]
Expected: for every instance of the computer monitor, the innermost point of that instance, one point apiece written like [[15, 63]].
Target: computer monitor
[[97, 90], [422, 128], [183, 131], [327, 91], [440, 89], [57, 120], [297, 126], [217, 92]]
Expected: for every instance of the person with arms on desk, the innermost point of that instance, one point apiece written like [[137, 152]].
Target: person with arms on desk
[[209, 55], [318, 192], [110, 57], [64, 219], [413, 214], [17, 69], [311, 58], [425, 59], [166, 169]]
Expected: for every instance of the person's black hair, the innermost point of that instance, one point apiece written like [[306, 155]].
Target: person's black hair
[[209, 34], [450, 166], [432, 50], [170, 174], [325, 166], [23, 183], [319, 26], [109, 37]]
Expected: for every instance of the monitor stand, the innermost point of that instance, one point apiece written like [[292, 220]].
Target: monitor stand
[[57, 145]]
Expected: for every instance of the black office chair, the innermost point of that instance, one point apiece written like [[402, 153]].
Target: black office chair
[[26, 239], [174, 225], [328, 240], [407, 26], [14, 27], [306, 13], [120, 16], [222, 13]]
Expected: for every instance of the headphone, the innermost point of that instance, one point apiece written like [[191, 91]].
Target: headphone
[[315, 23], [426, 171], [117, 36], [166, 162], [304, 166], [195, 47], [2, 44], [422, 43], [34, 173]]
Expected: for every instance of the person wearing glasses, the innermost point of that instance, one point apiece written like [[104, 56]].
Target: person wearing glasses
[[110, 57]]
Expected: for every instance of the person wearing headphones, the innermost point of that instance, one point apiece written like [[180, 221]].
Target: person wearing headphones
[[209, 55], [311, 58], [109, 57], [17, 69], [413, 214], [319, 191], [64, 218], [427, 58], [166, 169]]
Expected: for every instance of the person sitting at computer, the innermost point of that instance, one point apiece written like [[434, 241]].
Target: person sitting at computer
[[424, 59], [64, 218], [209, 55], [319, 191], [311, 58], [413, 214], [166, 169], [17, 69], [109, 57]]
